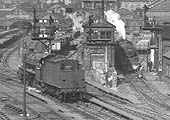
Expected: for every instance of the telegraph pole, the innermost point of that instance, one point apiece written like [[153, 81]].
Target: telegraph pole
[[106, 51], [51, 34], [24, 81]]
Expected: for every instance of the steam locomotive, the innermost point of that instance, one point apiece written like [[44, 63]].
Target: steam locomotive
[[126, 56]]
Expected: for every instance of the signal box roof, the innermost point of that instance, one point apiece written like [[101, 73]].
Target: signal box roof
[[99, 23]]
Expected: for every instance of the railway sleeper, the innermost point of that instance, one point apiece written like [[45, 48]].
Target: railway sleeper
[[4, 116], [161, 104], [13, 108]]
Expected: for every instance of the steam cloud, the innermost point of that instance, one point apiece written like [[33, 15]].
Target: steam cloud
[[114, 19], [77, 21]]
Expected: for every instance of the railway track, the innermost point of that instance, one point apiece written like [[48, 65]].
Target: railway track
[[101, 107], [4, 116], [83, 109], [144, 114], [77, 109], [14, 94], [150, 95], [91, 111], [8, 80]]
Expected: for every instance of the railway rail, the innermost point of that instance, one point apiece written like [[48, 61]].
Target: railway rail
[[9, 81], [9, 78], [3, 116], [88, 110], [144, 114], [104, 103], [149, 95], [15, 95]]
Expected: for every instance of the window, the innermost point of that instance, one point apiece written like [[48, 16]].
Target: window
[[167, 70], [108, 35], [95, 35], [98, 5], [105, 35], [102, 35], [88, 4]]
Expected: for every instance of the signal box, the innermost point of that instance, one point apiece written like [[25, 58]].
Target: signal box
[[99, 43]]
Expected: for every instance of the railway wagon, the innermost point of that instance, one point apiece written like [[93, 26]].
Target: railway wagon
[[10, 39], [127, 58], [8, 32], [57, 76]]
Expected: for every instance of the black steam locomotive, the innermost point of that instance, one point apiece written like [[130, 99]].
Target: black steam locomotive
[[126, 56]]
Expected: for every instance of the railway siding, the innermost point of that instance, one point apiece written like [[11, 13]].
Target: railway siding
[[64, 111], [56, 107], [129, 98], [151, 96], [110, 107]]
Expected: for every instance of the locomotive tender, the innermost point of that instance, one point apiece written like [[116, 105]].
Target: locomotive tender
[[55, 75]]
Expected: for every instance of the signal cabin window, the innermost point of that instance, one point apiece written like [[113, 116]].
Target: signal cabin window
[[108, 35], [98, 5], [105, 35], [88, 4], [95, 35], [102, 35]]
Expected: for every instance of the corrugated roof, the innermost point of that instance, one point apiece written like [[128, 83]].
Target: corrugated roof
[[101, 23]]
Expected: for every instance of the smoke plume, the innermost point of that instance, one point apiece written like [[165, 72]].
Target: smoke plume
[[77, 21], [114, 19]]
